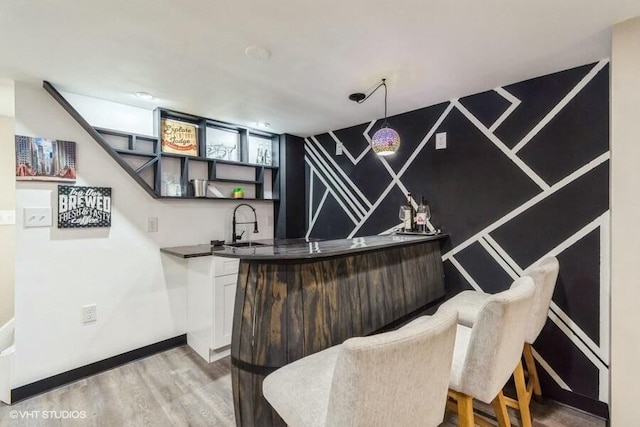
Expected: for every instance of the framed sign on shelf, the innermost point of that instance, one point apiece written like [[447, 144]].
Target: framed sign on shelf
[[223, 144], [179, 137]]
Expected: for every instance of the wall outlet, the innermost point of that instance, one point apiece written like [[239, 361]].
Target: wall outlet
[[89, 313], [37, 217], [152, 224], [7, 217], [441, 141]]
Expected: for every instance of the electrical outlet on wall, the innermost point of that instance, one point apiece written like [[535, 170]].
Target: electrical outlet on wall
[[89, 313], [152, 224]]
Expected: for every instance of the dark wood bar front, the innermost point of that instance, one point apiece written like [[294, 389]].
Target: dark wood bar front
[[295, 302]]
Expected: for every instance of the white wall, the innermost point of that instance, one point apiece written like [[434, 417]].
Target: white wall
[[625, 228], [7, 201], [111, 115], [6, 98], [141, 295]]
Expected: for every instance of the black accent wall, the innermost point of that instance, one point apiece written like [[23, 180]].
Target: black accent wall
[[290, 213], [525, 174]]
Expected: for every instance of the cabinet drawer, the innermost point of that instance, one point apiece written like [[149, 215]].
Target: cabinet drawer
[[224, 266]]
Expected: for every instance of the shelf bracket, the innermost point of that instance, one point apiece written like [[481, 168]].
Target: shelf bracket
[[146, 165]]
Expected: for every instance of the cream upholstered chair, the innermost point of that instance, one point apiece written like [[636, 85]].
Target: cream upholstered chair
[[487, 353], [544, 275], [393, 378]]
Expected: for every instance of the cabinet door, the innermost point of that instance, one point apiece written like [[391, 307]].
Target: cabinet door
[[224, 266], [224, 294]]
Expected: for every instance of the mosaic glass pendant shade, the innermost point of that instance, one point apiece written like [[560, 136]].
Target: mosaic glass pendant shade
[[385, 141]]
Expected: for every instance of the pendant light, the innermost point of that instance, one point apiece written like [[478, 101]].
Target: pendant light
[[385, 141]]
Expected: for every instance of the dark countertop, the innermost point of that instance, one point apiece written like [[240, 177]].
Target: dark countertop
[[193, 251], [301, 248]]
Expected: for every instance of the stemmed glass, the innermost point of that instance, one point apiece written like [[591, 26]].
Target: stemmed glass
[[427, 217]]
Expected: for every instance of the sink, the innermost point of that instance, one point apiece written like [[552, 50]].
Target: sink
[[245, 244]]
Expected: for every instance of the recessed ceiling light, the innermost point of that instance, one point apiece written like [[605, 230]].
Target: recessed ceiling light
[[145, 95], [257, 52], [263, 124]]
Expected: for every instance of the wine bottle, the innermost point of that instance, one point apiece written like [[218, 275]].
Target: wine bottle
[[421, 217], [409, 223]]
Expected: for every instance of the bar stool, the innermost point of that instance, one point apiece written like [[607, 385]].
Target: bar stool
[[393, 378], [488, 353], [468, 303]]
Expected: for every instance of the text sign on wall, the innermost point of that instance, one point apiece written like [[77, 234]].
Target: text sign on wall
[[84, 206], [179, 137]]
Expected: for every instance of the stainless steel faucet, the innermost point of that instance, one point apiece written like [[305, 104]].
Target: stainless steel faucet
[[234, 236]]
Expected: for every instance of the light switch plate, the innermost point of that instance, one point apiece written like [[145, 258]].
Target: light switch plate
[[339, 148], [441, 141], [37, 217], [7, 217]]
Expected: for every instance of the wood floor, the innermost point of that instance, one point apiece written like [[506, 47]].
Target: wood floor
[[177, 388]]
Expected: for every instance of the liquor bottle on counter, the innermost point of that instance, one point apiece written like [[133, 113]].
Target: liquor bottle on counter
[[421, 216], [410, 215]]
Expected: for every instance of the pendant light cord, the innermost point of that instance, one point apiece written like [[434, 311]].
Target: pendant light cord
[[385, 102], [374, 91], [382, 83]]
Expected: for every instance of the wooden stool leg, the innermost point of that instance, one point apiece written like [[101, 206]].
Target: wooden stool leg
[[500, 409], [533, 373], [465, 411], [523, 398]]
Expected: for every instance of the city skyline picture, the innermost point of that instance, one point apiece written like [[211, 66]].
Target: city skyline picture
[[45, 159]]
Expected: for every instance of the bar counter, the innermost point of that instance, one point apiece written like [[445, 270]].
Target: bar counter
[[298, 298], [300, 249]]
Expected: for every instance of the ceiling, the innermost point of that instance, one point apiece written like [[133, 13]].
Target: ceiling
[[191, 53]]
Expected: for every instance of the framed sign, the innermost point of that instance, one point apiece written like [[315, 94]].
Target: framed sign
[[179, 137], [80, 207], [223, 144], [42, 159]]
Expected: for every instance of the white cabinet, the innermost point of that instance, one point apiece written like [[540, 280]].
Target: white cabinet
[[224, 299], [211, 290]]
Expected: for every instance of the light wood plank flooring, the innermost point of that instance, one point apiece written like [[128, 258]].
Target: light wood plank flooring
[[177, 388]]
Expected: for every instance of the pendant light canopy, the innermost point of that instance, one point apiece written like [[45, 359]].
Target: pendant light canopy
[[385, 141]]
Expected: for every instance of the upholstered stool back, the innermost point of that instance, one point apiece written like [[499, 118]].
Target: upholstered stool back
[[397, 378], [394, 378], [544, 275], [485, 360]]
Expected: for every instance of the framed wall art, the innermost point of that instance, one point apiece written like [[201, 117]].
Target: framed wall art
[[82, 207], [43, 159]]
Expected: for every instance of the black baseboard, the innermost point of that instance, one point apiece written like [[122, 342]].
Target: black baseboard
[[30, 390], [580, 402]]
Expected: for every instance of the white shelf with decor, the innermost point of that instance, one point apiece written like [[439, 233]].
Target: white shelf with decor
[[186, 147]]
